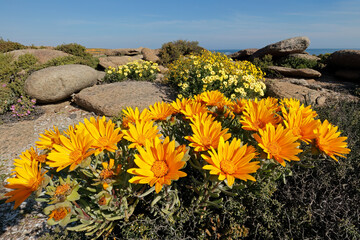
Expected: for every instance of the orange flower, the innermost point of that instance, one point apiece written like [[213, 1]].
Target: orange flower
[[28, 179], [138, 133], [194, 108], [278, 143], [294, 105], [159, 163], [29, 156], [180, 105], [131, 116], [238, 105], [48, 139], [329, 142], [72, 151], [161, 111], [215, 98], [231, 161], [104, 134], [206, 132], [302, 127], [258, 114]]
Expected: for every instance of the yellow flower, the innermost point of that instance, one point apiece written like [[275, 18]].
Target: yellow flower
[[206, 132], [131, 116], [302, 127], [278, 143], [48, 139], [28, 179], [231, 160], [257, 114], [294, 105], [159, 163], [72, 151], [329, 142], [160, 111], [179, 105], [139, 132], [103, 133], [214, 98], [29, 156], [193, 108], [238, 105]]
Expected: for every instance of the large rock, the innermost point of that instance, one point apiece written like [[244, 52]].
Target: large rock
[[284, 47], [305, 56], [243, 54], [53, 84], [110, 99], [42, 55], [106, 62], [149, 55], [345, 59], [123, 52], [300, 73], [351, 75]]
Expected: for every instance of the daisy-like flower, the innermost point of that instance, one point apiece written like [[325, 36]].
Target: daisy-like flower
[[258, 114], [63, 190], [194, 108], [294, 105], [59, 213], [72, 151], [180, 105], [108, 172], [329, 142], [302, 127], [131, 116], [103, 133], [47, 140], [278, 143], [139, 132], [238, 105], [29, 156], [231, 160], [161, 111], [206, 133], [28, 179], [158, 163], [214, 98]]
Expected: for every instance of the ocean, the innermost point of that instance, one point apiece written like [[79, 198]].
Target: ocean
[[311, 51]]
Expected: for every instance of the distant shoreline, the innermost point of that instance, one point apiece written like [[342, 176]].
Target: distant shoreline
[[311, 51]]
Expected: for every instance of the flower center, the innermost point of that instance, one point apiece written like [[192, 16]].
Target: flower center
[[63, 189], [227, 166], [106, 173], [160, 168], [102, 201], [104, 141], [34, 184], [41, 158], [76, 156], [274, 148], [260, 124], [59, 213]]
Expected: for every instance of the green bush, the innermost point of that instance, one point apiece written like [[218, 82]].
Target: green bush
[[25, 61], [73, 49], [297, 63], [171, 51], [89, 61], [7, 46]]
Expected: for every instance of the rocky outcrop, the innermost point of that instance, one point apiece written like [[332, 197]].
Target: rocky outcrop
[[244, 54], [348, 59], [305, 56], [284, 47], [57, 83], [42, 55], [110, 99], [123, 52], [291, 72], [149, 55], [106, 62]]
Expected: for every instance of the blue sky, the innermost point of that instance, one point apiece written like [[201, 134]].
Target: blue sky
[[214, 24]]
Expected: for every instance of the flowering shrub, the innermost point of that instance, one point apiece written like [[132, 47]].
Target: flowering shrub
[[188, 155], [23, 107], [215, 71], [136, 70]]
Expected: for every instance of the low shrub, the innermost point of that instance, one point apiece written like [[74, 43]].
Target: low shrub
[[7, 46], [296, 63], [172, 51], [25, 61], [215, 71], [89, 61], [136, 70], [73, 49], [23, 107], [6, 97], [200, 168]]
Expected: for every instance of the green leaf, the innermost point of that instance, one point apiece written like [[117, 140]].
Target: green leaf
[[147, 192], [156, 199]]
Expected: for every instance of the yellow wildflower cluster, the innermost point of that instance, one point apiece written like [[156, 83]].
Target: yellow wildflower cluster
[[199, 136], [136, 70], [215, 71]]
